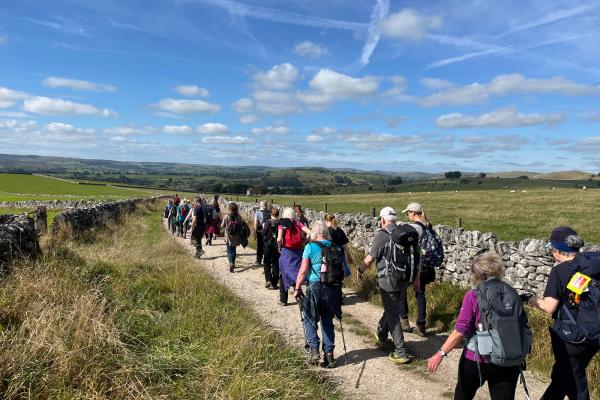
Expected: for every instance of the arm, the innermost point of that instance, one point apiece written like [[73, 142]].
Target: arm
[[450, 344], [255, 227], [547, 304], [365, 265], [301, 276], [349, 257], [279, 239]]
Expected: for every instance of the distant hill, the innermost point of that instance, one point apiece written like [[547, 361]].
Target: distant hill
[[559, 175]]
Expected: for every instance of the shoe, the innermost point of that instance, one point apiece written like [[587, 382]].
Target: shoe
[[281, 303], [259, 263], [313, 355], [200, 253], [421, 331], [328, 360], [231, 267], [405, 325], [274, 287], [267, 285], [378, 341], [398, 359]]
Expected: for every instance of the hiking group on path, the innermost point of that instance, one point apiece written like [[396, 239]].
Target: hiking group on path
[[492, 322]]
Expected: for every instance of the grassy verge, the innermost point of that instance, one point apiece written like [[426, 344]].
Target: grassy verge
[[126, 313]]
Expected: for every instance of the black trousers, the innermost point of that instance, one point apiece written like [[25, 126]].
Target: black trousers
[[426, 277], [568, 373], [271, 266], [260, 245], [502, 381]]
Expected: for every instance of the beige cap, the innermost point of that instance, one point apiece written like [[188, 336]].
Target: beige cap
[[416, 207], [262, 205]]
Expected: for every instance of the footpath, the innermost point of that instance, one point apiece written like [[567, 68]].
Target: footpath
[[367, 372]]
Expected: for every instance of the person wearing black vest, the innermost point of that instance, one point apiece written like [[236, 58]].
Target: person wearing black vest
[[260, 217], [561, 301]]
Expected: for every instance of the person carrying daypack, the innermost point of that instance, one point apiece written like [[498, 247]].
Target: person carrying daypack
[[270, 250], [198, 225], [395, 250], [432, 256], [572, 297], [323, 268], [493, 323], [261, 215], [182, 212], [236, 233], [213, 226]]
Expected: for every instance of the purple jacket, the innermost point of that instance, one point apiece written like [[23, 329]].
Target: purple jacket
[[467, 321]]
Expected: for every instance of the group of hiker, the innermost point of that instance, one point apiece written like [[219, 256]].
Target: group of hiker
[[314, 259]]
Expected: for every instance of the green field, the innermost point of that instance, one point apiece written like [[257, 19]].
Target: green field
[[512, 216]]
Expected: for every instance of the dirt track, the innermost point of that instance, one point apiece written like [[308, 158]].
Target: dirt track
[[367, 372]]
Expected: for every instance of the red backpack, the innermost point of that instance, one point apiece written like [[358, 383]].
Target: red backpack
[[292, 235]]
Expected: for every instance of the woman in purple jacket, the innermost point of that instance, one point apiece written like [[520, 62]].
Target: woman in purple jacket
[[502, 381]]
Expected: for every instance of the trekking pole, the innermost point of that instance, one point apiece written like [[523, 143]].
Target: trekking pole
[[525, 388], [301, 308], [343, 339]]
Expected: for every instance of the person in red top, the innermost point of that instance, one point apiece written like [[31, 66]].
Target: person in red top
[[176, 200], [502, 381]]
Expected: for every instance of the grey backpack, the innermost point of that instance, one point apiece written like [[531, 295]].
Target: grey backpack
[[505, 336]]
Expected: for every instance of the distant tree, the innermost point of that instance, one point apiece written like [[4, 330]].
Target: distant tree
[[217, 187], [523, 177], [481, 175], [344, 180], [396, 180], [453, 175]]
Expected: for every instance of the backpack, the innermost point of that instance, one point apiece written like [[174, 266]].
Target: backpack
[[183, 212], [578, 319], [262, 216], [208, 213], [332, 266], [234, 226], [400, 256], [432, 248], [166, 213], [269, 230], [505, 337], [292, 235]]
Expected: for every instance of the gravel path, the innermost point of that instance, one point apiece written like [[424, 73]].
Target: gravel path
[[367, 372]]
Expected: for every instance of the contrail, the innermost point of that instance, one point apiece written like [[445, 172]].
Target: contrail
[[380, 12]]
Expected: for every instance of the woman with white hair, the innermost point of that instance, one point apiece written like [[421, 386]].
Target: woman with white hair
[[261, 215], [290, 243], [322, 301]]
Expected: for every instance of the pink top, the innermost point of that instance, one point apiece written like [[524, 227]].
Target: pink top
[[467, 321]]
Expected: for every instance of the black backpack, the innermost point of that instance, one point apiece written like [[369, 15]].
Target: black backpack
[[208, 213], [578, 319], [269, 232], [332, 266], [400, 255]]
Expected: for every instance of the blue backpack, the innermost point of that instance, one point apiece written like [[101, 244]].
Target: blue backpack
[[432, 247]]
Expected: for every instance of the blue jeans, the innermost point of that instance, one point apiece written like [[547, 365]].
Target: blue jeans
[[231, 253], [321, 303]]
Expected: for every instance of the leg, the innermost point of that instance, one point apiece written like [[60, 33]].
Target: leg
[[383, 329], [502, 382], [327, 331], [391, 305], [230, 254], [267, 268], [260, 245], [561, 377], [311, 320], [468, 379], [274, 268], [283, 294], [421, 305]]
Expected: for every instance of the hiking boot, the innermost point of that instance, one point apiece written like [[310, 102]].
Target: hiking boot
[[398, 359], [274, 287], [313, 355], [421, 331], [231, 267], [200, 253], [282, 303], [405, 325], [328, 360], [267, 285]]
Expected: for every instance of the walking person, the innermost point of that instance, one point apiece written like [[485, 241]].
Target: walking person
[[198, 225], [394, 250], [323, 299], [176, 200], [271, 252], [339, 238], [475, 368], [261, 215], [213, 226], [432, 257], [572, 297], [290, 243], [182, 213], [236, 233]]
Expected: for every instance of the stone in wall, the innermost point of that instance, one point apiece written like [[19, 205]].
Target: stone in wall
[[18, 238]]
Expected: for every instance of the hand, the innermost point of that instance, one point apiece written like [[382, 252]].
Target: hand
[[298, 295], [359, 274], [526, 296], [416, 285], [434, 362]]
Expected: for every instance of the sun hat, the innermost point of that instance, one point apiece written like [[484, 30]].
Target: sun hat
[[388, 213], [416, 207], [262, 205]]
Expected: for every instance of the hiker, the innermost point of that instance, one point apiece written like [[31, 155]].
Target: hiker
[[477, 319], [323, 299], [432, 257], [236, 233], [567, 297], [198, 225], [182, 212], [339, 238], [167, 209], [394, 249], [271, 252], [260, 217], [172, 220], [214, 223], [290, 243], [176, 200], [302, 218]]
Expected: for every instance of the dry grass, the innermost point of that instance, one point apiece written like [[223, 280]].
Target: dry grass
[[124, 312]]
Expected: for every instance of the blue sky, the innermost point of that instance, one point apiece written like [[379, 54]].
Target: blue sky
[[378, 84]]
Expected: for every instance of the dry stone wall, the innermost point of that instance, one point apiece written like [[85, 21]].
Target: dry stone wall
[[528, 264], [18, 238]]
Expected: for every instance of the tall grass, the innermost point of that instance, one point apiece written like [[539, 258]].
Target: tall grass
[[124, 312]]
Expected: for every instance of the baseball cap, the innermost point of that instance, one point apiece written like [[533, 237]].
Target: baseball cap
[[416, 207], [558, 239], [388, 213]]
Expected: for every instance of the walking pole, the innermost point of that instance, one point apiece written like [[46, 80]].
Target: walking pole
[[343, 339], [301, 308]]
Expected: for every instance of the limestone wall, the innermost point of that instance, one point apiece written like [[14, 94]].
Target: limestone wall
[[17, 238], [527, 262]]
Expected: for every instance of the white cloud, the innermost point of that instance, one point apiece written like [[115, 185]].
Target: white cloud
[[310, 49], [128, 130], [275, 102], [325, 131], [65, 129], [54, 106], [184, 106], [398, 86], [591, 141], [227, 140], [507, 117], [279, 77], [409, 24], [17, 126], [77, 84], [271, 130], [243, 105], [380, 12], [9, 97], [314, 138], [213, 128], [177, 129], [192, 90], [14, 114], [436, 83], [249, 119]]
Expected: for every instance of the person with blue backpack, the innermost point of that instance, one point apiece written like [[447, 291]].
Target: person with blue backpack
[[493, 324], [572, 297], [432, 257]]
